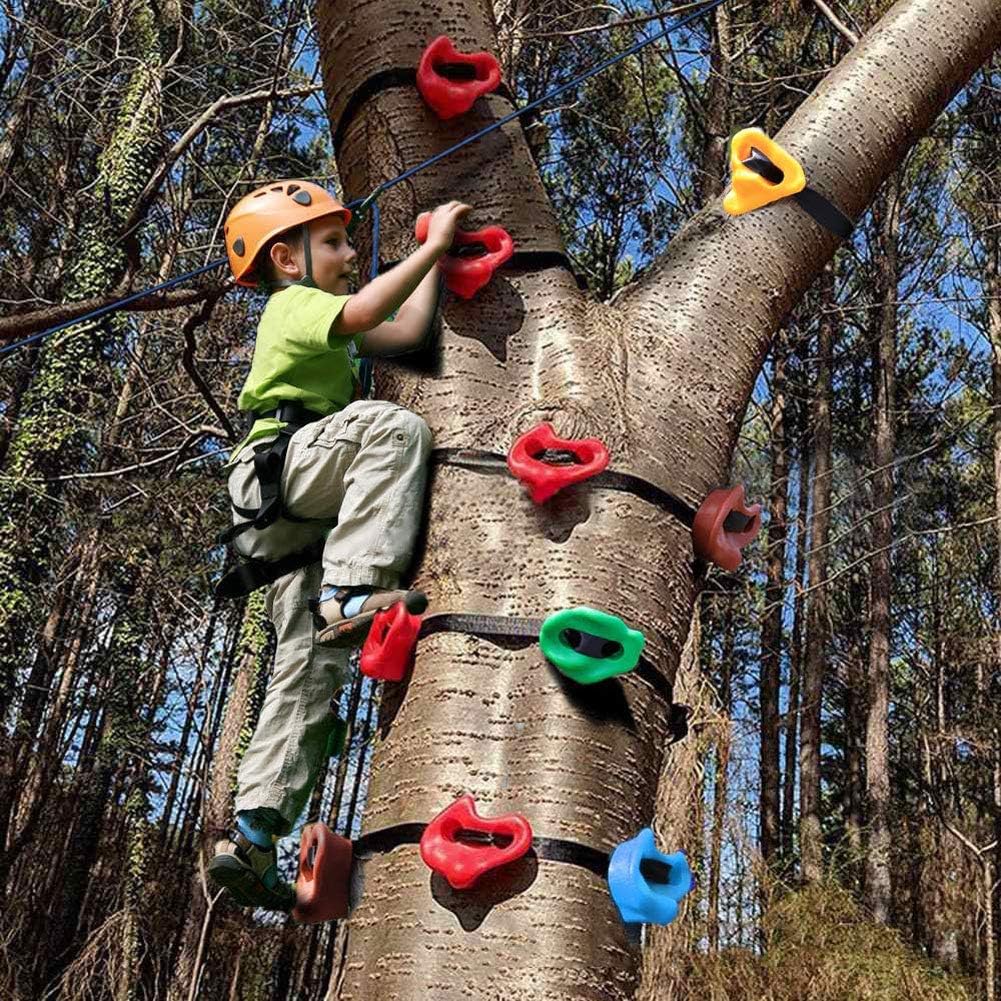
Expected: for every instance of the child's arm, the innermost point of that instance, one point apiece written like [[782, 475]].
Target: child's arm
[[372, 304], [411, 324]]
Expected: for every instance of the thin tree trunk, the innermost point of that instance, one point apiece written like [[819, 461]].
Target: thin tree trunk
[[877, 747], [811, 827], [854, 703], [720, 783], [239, 720], [988, 106], [710, 178], [771, 623], [796, 654], [679, 824]]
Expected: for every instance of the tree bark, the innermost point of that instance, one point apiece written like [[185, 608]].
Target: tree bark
[[721, 782], [796, 646], [663, 378], [217, 804], [679, 823], [992, 288]]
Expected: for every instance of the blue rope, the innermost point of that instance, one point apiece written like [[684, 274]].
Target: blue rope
[[365, 373], [360, 206]]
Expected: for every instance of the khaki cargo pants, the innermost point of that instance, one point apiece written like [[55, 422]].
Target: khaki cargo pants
[[365, 467]]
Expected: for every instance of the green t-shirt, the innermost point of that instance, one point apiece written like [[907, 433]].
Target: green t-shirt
[[298, 357]]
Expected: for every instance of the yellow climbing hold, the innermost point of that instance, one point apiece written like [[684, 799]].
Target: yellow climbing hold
[[780, 174]]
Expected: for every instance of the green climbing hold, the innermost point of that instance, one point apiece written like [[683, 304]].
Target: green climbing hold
[[338, 735], [589, 646]]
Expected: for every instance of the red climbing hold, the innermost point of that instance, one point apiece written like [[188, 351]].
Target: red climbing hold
[[544, 479], [321, 891], [463, 862], [390, 643], [724, 525], [467, 271], [451, 81]]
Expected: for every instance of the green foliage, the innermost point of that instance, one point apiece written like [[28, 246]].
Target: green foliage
[[603, 153]]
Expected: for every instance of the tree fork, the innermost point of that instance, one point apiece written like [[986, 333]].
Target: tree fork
[[664, 379]]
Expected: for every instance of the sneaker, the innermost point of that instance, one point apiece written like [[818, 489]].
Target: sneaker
[[250, 873], [334, 629]]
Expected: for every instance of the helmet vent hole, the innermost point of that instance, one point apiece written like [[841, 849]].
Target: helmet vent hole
[[292, 188], [278, 188], [238, 247], [260, 194], [302, 197]]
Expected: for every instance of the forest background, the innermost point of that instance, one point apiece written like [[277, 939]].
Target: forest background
[[127, 693]]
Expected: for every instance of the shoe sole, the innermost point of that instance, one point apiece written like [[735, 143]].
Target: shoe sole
[[244, 886], [354, 631]]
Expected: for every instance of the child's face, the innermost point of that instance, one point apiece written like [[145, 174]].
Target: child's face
[[333, 256]]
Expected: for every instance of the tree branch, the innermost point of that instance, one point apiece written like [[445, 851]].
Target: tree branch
[[833, 18], [222, 104], [28, 323]]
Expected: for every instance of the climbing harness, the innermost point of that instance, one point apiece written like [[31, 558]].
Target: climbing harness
[[269, 461]]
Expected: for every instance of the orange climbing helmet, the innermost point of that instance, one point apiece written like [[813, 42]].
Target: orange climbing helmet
[[268, 211]]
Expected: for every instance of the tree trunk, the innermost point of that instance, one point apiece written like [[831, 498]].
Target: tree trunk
[[796, 647], [811, 841], [771, 622], [679, 824], [877, 746], [721, 783], [663, 378], [987, 119], [710, 180], [242, 709], [65, 386]]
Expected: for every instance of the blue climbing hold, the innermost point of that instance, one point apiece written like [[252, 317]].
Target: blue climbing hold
[[645, 884]]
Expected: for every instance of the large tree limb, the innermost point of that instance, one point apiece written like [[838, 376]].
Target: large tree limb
[[705, 314]]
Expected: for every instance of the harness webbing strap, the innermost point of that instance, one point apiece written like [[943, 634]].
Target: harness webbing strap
[[551, 849], [250, 574]]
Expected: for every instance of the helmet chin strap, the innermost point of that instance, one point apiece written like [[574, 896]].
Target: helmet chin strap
[[307, 278]]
